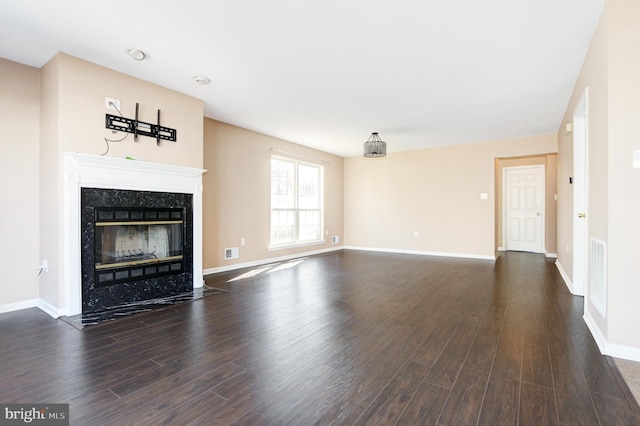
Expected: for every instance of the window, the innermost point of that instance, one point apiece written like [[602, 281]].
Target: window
[[296, 202]]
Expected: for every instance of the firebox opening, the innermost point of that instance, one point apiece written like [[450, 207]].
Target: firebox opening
[[137, 243]]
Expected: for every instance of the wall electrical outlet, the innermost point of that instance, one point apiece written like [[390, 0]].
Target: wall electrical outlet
[[110, 103]]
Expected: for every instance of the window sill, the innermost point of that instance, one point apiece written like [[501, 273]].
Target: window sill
[[295, 245]]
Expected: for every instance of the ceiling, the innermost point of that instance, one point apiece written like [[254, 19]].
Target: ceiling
[[422, 73]]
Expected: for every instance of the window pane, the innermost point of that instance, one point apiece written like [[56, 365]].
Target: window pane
[[282, 226], [296, 198], [309, 228], [308, 187], [282, 184]]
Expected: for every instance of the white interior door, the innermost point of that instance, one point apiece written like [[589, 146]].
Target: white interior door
[[524, 208]]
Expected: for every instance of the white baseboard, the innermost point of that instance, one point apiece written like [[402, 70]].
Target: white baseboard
[[425, 253], [17, 306], [45, 307], [624, 352], [260, 262], [565, 277], [595, 332], [48, 308], [607, 348]]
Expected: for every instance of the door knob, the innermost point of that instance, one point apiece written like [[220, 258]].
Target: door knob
[[581, 215]]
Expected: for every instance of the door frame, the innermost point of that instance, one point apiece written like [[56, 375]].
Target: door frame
[[543, 208], [580, 193]]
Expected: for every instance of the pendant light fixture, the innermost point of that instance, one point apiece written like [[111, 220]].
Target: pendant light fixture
[[375, 147]]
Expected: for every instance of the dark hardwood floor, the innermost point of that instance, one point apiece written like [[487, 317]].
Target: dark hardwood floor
[[346, 337]]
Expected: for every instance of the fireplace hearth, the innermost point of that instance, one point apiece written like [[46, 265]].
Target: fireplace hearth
[[135, 246]]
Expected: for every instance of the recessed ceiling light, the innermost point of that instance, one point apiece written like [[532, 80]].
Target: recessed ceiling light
[[200, 79], [136, 54]]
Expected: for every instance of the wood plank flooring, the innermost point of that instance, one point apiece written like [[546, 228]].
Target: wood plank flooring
[[342, 338]]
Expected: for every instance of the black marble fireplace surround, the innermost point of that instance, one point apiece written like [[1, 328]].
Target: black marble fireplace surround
[[97, 297]]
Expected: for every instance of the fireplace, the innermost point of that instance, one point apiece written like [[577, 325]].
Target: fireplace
[[136, 246], [133, 232]]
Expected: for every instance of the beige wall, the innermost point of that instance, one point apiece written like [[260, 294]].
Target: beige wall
[[73, 120], [50, 178], [237, 193], [549, 162], [624, 180], [611, 72], [434, 193], [19, 115], [82, 89]]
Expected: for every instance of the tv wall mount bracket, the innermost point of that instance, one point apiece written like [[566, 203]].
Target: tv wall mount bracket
[[123, 124]]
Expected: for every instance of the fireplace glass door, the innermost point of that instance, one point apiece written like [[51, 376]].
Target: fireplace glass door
[[133, 244]]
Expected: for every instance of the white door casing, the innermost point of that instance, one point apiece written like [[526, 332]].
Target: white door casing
[[524, 208], [580, 185]]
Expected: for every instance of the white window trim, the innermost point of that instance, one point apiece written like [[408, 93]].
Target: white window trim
[[294, 245]]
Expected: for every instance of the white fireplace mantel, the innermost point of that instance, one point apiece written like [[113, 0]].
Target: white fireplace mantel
[[92, 171]]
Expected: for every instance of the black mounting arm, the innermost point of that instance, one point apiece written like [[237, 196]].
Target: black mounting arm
[[136, 127]]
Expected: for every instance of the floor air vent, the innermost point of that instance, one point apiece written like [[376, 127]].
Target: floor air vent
[[598, 276]]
